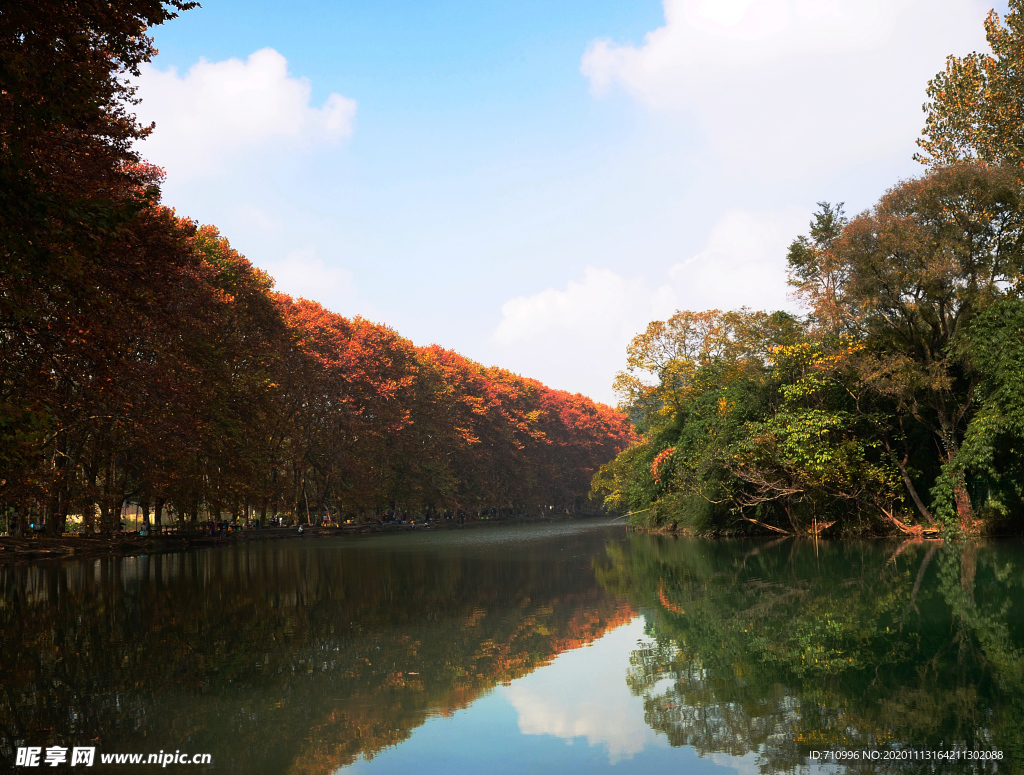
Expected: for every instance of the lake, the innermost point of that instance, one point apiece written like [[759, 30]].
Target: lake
[[522, 648]]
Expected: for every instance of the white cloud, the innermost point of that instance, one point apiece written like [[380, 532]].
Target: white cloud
[[792, 88], [575, 338], [218, 111], [744, 263], [744, 765], [603, 305]]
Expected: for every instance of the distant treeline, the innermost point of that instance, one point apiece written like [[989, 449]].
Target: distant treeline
[[143, 359], [897, 403]]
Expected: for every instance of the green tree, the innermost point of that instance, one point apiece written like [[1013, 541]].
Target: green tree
[[696, 385], [907, 279], [992, 453], [816, 453]]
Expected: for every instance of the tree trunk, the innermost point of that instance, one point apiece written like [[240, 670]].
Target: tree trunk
[[964, 510], [158, 514], [905, 475], [89, 517], [59, 501], [58, 511]]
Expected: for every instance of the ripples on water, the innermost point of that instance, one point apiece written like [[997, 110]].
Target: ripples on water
[[521, 648]]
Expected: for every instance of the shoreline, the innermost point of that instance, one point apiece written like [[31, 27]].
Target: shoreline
[[929, 535], [41, 548]]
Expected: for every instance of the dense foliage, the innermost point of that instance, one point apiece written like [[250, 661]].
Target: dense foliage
[[892, 403], [144, 360], [895, 403]]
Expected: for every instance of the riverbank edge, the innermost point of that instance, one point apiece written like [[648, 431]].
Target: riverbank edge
[[40, 548], [927, 534]]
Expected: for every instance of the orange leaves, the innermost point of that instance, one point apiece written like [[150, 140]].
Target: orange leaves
[[376, 420], [658, 461], [504, 439], [974, 108], [202, 388]]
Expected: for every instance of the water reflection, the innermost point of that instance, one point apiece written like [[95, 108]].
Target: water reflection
[[775, 650], [509, 650], [295, 656], [565, 700], [575, 714]]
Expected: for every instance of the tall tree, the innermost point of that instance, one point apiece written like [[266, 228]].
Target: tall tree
[[70, 184], [907, 279]]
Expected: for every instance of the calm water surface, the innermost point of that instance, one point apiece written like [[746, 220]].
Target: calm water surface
[[574, 647]]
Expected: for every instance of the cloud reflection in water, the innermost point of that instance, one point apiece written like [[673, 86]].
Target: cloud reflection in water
[[584, 694]]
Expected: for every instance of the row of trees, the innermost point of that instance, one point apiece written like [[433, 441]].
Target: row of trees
[[142, 358], [897, 402]]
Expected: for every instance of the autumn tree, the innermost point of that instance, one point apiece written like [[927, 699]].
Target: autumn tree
[[70, 184], [975, 108], [69, 175], [353, 395]]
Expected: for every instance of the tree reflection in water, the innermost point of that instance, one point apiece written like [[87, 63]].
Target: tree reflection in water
[[780, 648], [286, 657]]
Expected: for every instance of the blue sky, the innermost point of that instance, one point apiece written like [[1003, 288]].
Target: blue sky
[[530, 183]]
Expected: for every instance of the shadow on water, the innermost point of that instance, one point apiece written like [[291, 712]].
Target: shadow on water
[[287, 657], [780, 648]]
